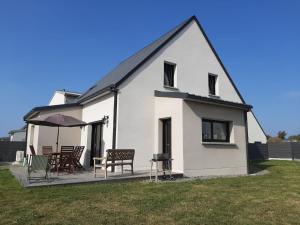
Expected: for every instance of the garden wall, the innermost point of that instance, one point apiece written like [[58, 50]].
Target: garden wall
[[8, 150], [283, 150]]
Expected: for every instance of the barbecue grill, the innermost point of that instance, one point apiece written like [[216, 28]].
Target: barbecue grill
[[166, 165]]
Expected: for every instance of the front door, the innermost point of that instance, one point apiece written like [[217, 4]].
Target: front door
[[166, 138], [96, 144]]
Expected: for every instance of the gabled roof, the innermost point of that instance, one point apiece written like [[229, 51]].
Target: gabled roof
[[121, 72], [23, 129], [129, 65]]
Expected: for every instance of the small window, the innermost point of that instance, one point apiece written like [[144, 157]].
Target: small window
[[212, 83], [215, 131], [169, 74]]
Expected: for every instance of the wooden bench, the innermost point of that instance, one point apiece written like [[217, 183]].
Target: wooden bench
[[115, 157]]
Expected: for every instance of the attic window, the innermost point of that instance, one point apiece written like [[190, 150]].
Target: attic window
[[212, 84], [169, 74]]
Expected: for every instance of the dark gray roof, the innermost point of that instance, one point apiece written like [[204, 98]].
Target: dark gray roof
[[198, 98], [129, 65]]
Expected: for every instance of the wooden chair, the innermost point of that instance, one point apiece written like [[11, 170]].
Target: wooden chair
[[67, 149], [65, 161], [46, 150], [115, 157], [77, 155]]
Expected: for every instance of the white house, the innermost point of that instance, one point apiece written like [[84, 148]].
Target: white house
[[18, 135], [175, 96]]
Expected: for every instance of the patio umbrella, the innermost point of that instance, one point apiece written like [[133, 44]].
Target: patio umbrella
[[57, 120]]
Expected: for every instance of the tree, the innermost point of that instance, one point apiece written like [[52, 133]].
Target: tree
[[274, 140], [281, 134], [294, 138]]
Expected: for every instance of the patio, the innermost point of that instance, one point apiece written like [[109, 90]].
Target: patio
[[78, 177]]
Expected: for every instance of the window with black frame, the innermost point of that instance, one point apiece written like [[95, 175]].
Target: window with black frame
[[169, 74], [215, 131], [212, 83]]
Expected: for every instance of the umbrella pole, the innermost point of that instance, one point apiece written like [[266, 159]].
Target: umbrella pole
[[57, 139]]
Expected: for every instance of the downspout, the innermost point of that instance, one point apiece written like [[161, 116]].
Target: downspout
[[115, 111], [26, 137], [247, 140], [114, 138]]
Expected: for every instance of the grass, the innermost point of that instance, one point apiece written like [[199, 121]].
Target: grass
[[269, 199]]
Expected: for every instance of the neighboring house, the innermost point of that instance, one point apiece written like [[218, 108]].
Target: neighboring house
[[174, 96], [18, 135], [63, 97]]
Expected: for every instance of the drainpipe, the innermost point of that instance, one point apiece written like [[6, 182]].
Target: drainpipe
[[26, 137], [115, 117], [247, 140], [114, 138]]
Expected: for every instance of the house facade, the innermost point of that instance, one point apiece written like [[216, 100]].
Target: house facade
[[173, 96], [18, 135]]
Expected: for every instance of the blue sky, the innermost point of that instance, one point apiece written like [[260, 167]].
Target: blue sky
[[56, 44]]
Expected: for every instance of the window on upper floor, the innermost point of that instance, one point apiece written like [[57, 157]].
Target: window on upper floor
[[169, 74], [215, 131], [212, 84]]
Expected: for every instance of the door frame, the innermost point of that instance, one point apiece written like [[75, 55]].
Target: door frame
[[163, 143], [95, 124]]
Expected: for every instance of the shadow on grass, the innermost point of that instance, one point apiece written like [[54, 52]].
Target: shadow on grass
[[257, 166]]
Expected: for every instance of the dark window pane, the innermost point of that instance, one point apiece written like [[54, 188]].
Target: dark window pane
[[206, 130], [169, 71], [215, 131], [220, 131], [212, 84]]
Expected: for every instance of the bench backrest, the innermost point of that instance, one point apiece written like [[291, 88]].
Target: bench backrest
[[67, 149], [120, 154], [46, 150]]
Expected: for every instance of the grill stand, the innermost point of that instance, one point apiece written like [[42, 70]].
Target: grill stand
[[156, 161]]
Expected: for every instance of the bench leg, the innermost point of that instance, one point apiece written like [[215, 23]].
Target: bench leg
[[105, 172], [94, 172], [122, 169], [132, 169]]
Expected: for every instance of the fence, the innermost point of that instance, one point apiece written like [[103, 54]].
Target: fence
[[284, 150], [8, 150]]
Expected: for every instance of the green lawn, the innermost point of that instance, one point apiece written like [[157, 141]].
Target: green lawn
[[269, 199]]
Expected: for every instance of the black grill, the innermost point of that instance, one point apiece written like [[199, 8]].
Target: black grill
[[161, 157]]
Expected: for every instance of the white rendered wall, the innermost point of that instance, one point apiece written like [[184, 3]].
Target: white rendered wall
[[255, 132], [32, 138], [92, 112], [194, 60], [18, 136], [212, 160], [169, 108], [58, 99]]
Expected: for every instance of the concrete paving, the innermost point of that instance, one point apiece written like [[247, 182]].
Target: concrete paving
[[78, 177]]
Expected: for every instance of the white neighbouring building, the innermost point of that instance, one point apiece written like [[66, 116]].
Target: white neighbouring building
[[174, 96]]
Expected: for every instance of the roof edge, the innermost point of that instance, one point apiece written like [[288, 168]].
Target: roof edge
[[156, 50], [103, 90], [198, 98]]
